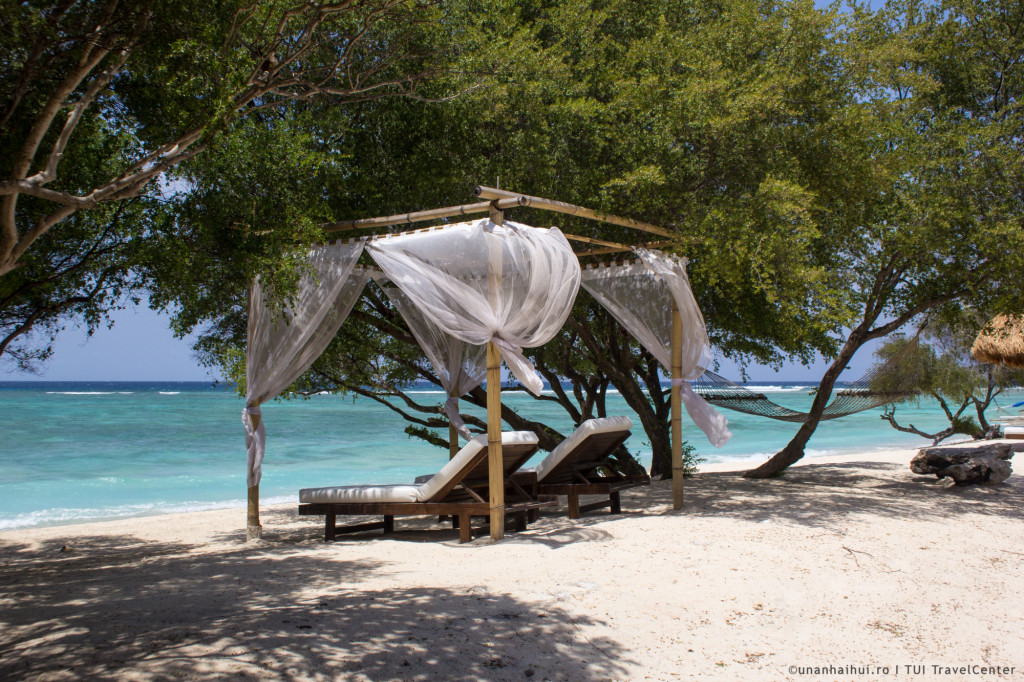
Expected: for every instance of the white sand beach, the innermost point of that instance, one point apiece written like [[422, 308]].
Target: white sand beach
[[847, 561]]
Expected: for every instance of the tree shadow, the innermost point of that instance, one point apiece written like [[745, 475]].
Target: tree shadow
[[119, 606], [822, 494]]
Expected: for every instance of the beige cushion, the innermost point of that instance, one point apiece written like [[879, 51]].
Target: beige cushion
[[587, 428], [411, 493], [470, 450], [359, 493]]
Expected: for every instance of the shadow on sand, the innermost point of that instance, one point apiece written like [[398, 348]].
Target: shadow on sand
[[820, 494], [267, 611]]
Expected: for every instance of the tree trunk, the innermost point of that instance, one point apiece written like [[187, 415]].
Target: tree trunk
[[794, 450]]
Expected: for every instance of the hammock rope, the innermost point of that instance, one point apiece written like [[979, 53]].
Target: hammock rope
[[856, 397]]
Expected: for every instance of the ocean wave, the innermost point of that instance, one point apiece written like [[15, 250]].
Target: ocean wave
[[56, 516], [758, 457], [779, 389], [169, 392], [82, 392]]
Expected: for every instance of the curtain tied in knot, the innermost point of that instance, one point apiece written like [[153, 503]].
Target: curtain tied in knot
[[519, 365], [255, 444], [706, 417], [451, 408], [512, 285]]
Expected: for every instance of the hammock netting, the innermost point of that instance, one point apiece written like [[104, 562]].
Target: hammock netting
[[855, 397]]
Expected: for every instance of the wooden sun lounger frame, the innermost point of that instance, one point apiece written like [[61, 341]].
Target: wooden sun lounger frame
[[575, 476], [462, 498]]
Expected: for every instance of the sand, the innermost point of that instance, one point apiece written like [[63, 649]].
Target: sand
[[853, 562]]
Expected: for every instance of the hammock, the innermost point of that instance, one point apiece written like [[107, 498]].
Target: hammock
[[856, 397]]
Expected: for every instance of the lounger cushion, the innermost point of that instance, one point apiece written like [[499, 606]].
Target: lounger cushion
[[1013, 432], [411, 493], [470, 450], [359, 493], [587, 428]]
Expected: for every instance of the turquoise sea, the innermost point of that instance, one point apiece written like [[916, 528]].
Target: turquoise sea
[[74, 452]]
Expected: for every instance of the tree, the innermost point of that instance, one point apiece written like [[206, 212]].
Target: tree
[[926, 218], [102, 98], [687, 115], [937, 362], [691, 115]]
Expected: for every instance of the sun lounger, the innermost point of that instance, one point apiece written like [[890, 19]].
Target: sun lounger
[[572, 468], [459, 489]]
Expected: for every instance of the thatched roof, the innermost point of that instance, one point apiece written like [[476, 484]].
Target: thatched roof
[[1001, 342]]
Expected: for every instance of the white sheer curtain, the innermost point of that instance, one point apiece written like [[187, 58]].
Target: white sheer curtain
[[283, 343], [460, 366], [480, 282], [640, 295]]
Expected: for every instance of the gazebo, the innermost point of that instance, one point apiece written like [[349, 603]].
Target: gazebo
[[473, 294]]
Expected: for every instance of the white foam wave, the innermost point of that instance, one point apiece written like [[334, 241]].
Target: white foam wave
[[57, 516], [779, 389], [169, 392], [758, 457], [81, 392]]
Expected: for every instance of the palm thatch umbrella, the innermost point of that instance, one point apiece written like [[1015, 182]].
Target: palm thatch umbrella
[[1001, 342]]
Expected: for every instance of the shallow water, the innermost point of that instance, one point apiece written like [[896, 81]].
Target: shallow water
[[73, 452]]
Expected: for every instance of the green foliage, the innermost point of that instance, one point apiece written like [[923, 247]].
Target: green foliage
[[924, 209], [101, 101], [911, 365], [82, 273], [967, 426], [691, 459], [810, 164], [832, 177], [683, 114]]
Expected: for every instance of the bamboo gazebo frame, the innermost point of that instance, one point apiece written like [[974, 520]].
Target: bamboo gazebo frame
[[496, 202]]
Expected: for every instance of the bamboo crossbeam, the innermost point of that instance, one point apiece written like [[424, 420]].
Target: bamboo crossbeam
[[420, 216], [619, 249], [571, 209], [599, 242]]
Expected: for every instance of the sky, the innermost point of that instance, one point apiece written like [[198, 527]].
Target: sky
[[141, 347]]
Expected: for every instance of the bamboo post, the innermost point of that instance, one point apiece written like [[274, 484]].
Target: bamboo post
[[453, 441], [677, 416], [495, 214], [253, 529], [495, 465]]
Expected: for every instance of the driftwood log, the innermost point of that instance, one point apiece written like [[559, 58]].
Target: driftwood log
[[964, 466]]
